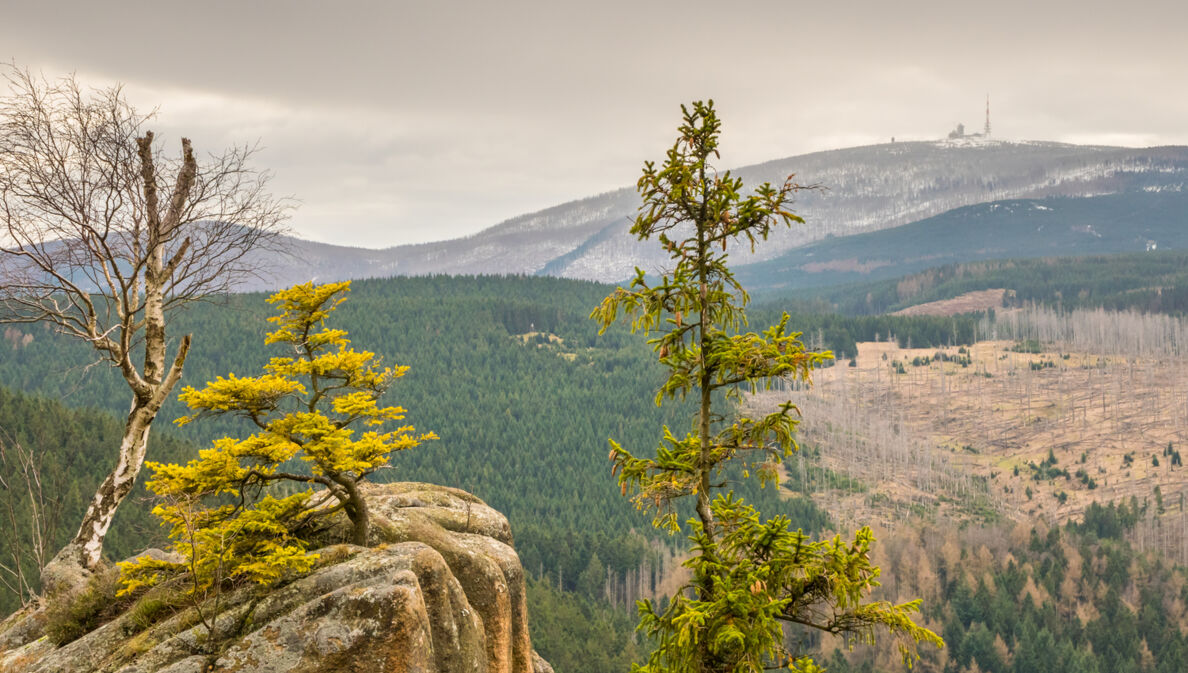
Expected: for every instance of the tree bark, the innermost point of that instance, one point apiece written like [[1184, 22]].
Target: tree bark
[[115, 487], [86, 549], [357, 512], [84, 197]]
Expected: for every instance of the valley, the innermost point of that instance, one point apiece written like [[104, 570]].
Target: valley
[[974, 407]]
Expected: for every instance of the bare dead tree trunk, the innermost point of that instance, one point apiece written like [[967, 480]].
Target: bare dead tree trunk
[[90, 244]]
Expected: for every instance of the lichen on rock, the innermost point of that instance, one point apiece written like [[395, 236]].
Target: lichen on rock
[[439, 589]]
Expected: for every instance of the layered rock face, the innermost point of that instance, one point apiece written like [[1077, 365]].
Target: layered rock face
[[440, 591]]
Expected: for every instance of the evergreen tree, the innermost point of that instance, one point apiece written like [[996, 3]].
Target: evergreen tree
[[751, 575], [307, 407], [592, 579]]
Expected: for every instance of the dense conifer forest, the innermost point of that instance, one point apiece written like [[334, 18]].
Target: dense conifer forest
[[1019, 599], [1155, 281], [72, 449], [513, 376]]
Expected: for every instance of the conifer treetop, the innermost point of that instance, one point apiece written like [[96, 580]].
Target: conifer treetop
[[751, 577], [319, 404]]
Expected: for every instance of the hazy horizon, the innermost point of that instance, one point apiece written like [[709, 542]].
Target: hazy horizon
[[398, 123]]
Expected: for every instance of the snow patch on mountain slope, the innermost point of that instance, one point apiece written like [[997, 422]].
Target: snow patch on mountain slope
[[889, 185], [863, 189]]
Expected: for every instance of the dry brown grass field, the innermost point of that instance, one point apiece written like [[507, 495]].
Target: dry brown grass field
[[958, 440], [966, 303]]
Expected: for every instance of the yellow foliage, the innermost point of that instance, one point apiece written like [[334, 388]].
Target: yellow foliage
[[306, 405], [251, 395], [225, 544], [311, 405], [304, 306]]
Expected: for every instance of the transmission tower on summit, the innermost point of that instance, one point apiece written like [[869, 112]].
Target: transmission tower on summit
[[987, 134]]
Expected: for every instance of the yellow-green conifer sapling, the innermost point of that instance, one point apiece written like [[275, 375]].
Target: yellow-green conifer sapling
[[317, 405], [752, 576]]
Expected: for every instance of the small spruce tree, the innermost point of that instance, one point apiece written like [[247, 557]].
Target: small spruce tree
[[318, 404], [751, 575]]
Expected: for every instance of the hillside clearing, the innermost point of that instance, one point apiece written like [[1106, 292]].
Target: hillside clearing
[[979, 300], [975, 436]]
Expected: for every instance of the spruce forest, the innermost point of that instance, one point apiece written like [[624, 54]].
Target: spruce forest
[[523, 351], [923, 410]]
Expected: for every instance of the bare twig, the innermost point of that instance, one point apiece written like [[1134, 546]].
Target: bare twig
[[103, 234], [30, 517]]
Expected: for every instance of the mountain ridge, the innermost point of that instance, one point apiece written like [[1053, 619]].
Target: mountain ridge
[[868, 188]]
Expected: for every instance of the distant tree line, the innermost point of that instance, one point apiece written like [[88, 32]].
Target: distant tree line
[[1150, 282]]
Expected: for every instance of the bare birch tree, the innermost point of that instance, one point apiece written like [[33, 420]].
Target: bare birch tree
[[103, 235]]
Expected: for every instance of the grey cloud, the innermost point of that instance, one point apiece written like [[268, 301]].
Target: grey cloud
[[398, 121]]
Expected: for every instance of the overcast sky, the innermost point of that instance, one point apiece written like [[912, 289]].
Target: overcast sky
[[400, 122]]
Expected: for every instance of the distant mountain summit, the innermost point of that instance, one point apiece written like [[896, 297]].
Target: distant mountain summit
[[863, 189]]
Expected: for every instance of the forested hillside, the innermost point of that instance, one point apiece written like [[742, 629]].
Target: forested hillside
[[1020, 599], [507, 409], [1134, 222], [1154, 281], [508, 371]]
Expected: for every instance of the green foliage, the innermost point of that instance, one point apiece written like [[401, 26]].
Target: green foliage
[[764, 575], [306, 407], [1154, 282], [577, 634], [224, 544], [750, 577], [841, 333], [155, 605], [1047, 469], [591, 581], [1027, 346], [1108, 522], [1048, 604]]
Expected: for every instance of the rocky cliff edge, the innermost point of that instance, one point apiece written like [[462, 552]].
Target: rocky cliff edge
[[439, 590]]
